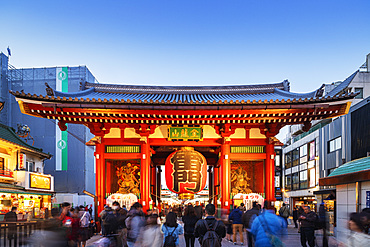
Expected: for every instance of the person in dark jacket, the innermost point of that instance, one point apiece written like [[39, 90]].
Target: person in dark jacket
[[247, 220], [300, 212], [121, 215], [198, 210], [11, 216], [201, 229], [307, 220], [236, 217], [295, 216], [189, 219]]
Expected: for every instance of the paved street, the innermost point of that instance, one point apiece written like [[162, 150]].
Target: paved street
[[290, 240]]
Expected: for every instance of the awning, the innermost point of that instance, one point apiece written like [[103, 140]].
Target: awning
[[14, 191], [354, 171]]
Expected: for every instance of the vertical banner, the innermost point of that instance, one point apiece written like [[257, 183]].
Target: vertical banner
[[61, 137]]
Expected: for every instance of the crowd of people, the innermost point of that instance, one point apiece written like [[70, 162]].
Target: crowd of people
[[118, 226]]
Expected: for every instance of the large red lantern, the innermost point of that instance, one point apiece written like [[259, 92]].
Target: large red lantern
[[186, 171]]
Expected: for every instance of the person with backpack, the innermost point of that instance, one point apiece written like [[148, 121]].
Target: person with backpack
[[121, 215], [209, 230], [267, 228], [247, 220], [109, 222], [134, 222], [171, 231], [85, 218], [236, 218], [284, 212], [308, 220], [189, 219]]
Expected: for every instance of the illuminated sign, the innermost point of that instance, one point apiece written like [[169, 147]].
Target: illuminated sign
[[185, 133], [40, 181], [186, 171], [21, 160]]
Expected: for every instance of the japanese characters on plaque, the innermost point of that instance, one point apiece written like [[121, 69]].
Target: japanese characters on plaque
[[185, 133], [186, 171]]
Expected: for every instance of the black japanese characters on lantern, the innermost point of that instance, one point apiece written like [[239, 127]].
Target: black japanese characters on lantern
[[186, 171]]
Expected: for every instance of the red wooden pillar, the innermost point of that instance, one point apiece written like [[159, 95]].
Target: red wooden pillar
[[225, 174], [153, 184], [270, 171], [216, 184], [99, 183], [145, 173]]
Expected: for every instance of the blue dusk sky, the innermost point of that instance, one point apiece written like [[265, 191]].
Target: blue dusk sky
[[192, 42]]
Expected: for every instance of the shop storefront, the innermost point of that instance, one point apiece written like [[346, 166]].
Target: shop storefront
[[29, 204], [22, 182]]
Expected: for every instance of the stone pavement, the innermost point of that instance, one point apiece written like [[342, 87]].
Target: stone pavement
[[292, 239]]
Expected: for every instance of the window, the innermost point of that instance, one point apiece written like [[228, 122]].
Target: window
[[288, 182], [361, 92], [335, 144], [4, 171], [312, 179], [2, 163], [295, 180], [303, 179], [288, 160], [30, 166], [312, 150], [296, 157], [303, 151]]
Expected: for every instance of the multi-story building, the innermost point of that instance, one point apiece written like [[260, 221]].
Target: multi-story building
[[23, 183], [327, 145], [72, 164]]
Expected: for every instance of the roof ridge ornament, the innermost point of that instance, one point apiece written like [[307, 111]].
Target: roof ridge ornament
[[49, 90]]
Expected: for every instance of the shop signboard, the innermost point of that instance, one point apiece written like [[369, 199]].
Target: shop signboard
[[21, 160], [185, 133], [368, 199], [40, 182], [186, 171]]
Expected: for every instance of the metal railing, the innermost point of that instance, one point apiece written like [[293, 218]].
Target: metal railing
[[17, 233]]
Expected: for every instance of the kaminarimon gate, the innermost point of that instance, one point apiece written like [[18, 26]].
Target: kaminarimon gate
[[225, 131]]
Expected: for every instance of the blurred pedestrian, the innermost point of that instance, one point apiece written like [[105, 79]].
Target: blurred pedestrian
[[151, 235], [284, 212], [85, 218], [300, 212], [101, 215], [323, 224], [268, 228], [109, 222], [307, 220], [171, 230], [247, 220], [134, 223], [295, 216], [11, 218], [53, 235], [189, 219], [121, 215], [358, 238], [236, 217], [206, 228], [198, 210]]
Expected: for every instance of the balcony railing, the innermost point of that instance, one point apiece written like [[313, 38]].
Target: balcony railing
[[6, 173]]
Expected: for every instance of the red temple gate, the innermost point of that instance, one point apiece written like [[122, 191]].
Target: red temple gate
[[137, 127]]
